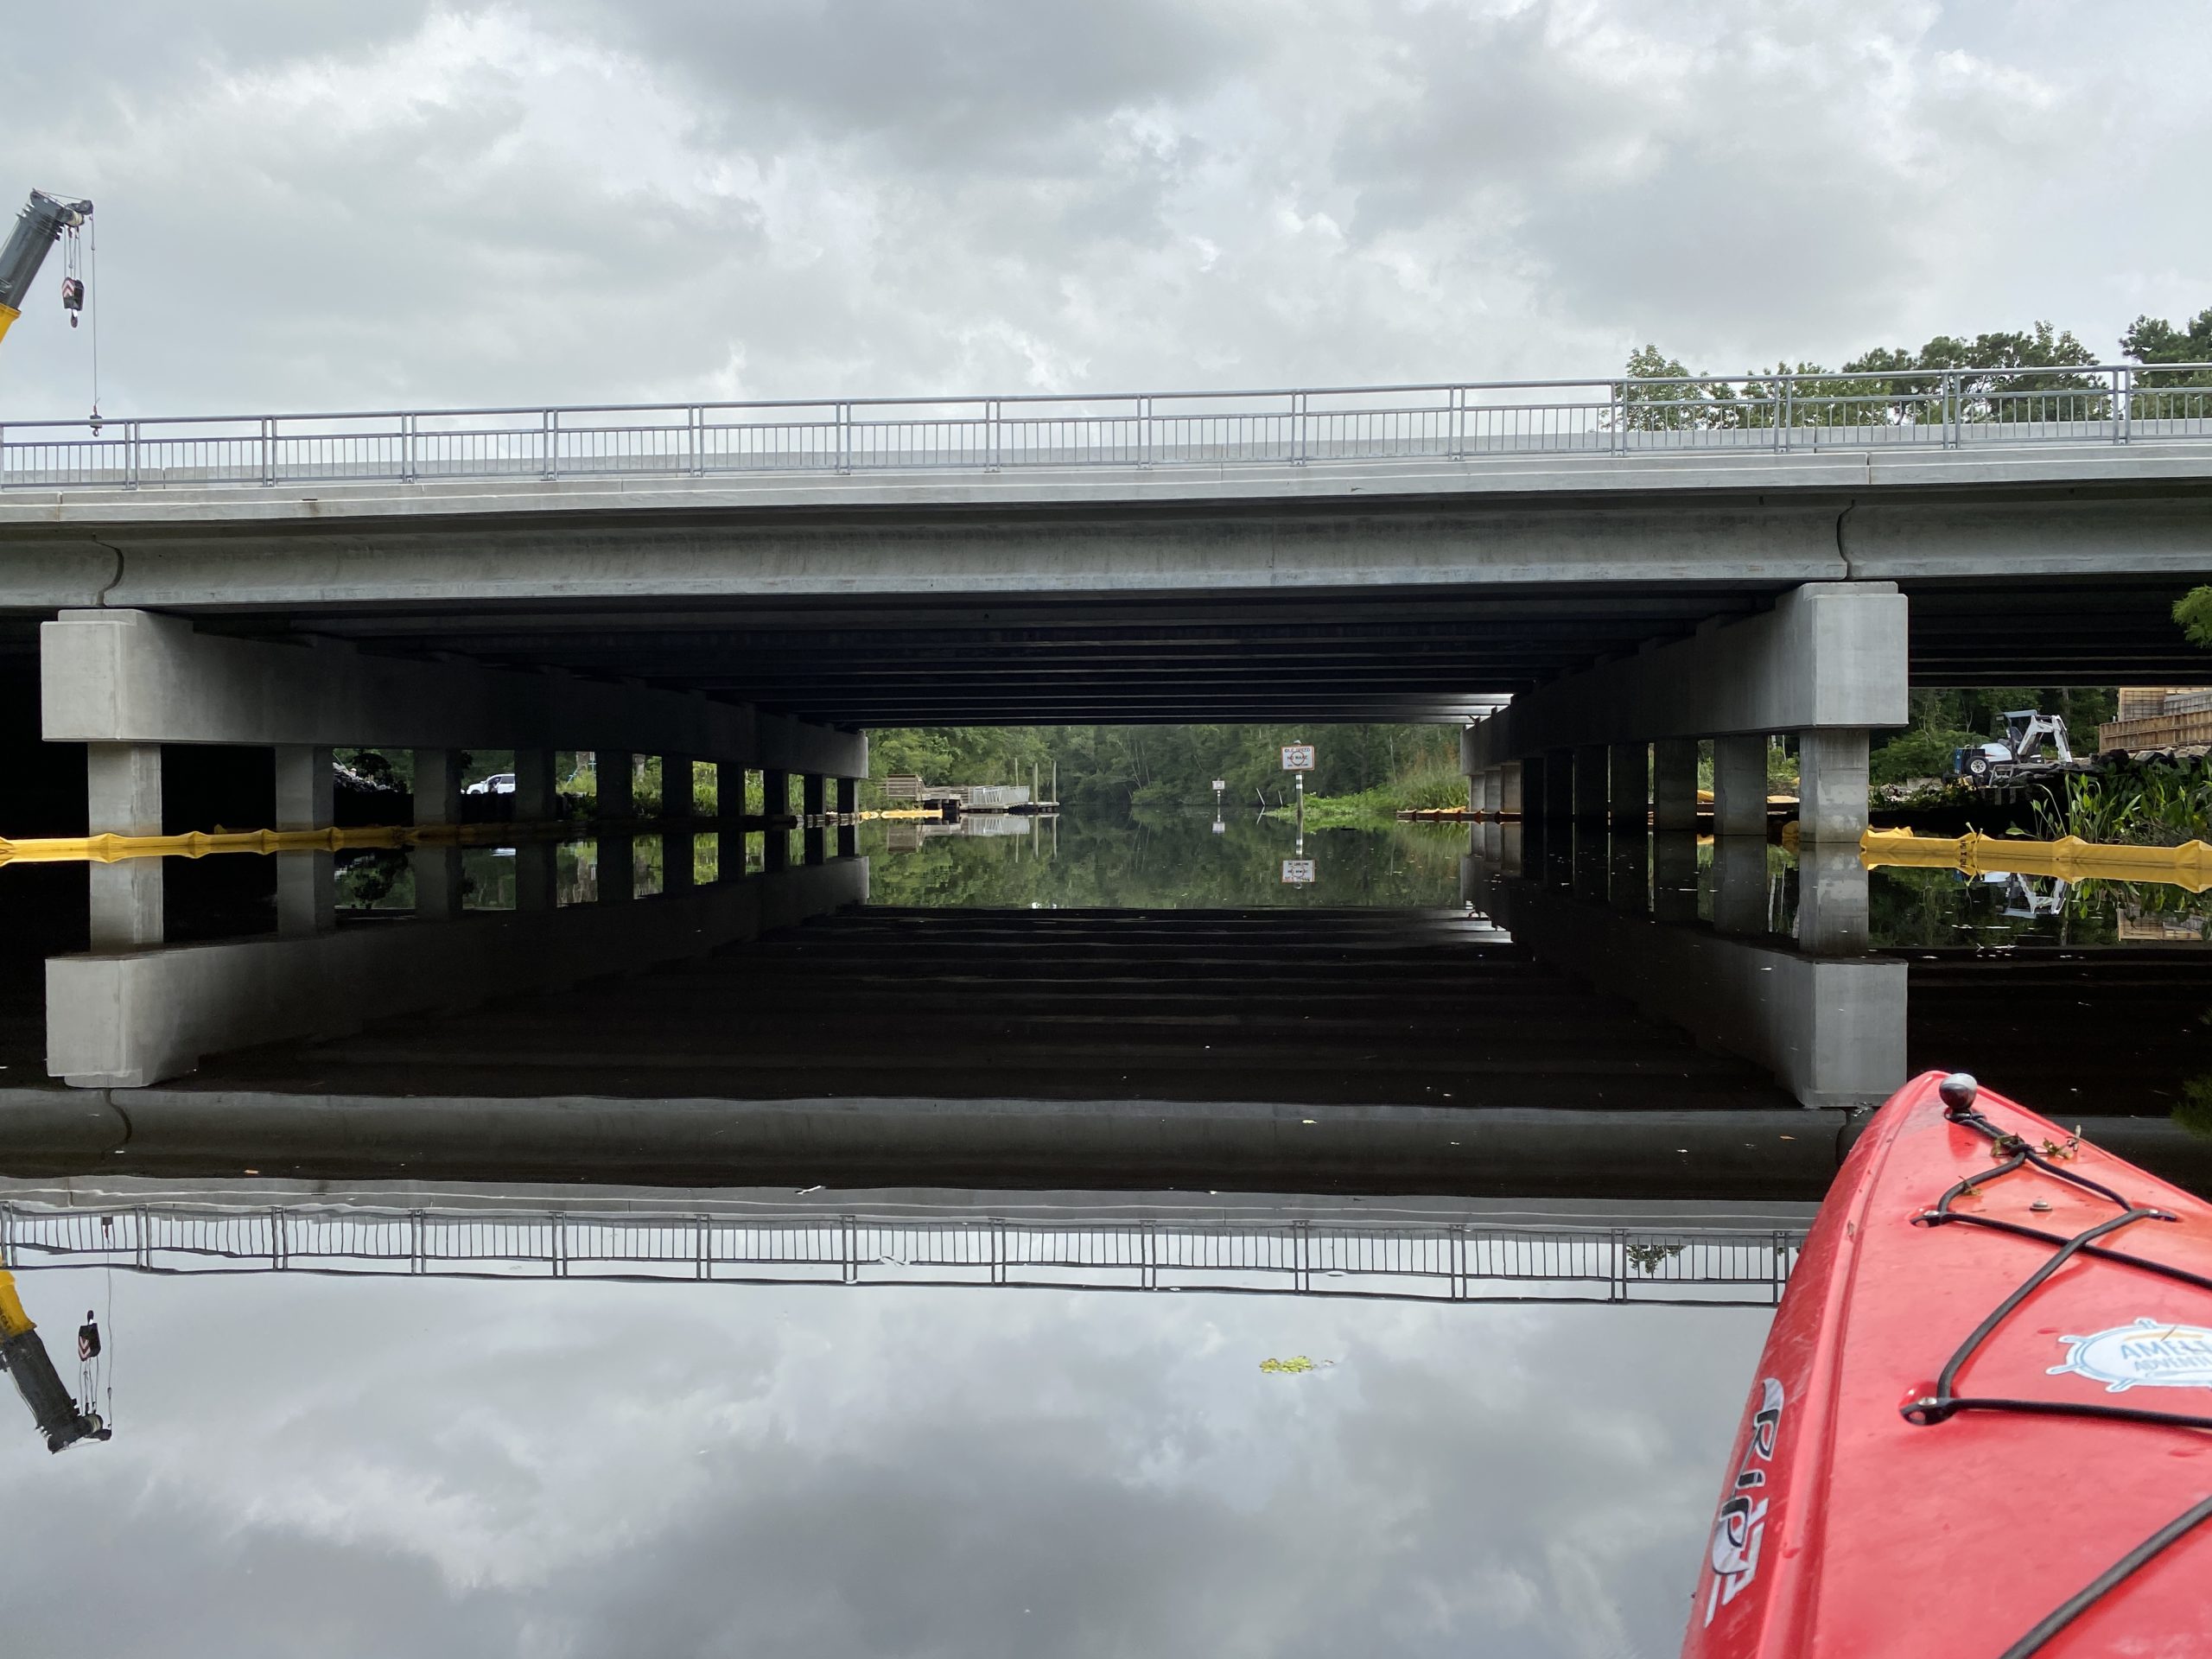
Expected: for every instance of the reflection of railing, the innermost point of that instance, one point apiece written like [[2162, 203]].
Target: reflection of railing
[[1424, 1261], [1936, 409]]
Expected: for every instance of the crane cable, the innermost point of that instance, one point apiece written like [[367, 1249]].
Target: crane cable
[[92, 287]]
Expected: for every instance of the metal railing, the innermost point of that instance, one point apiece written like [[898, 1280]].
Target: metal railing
[[1456, 422], [1456, 1262]]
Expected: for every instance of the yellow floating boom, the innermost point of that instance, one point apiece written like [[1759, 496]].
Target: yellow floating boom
[[2072, 858]]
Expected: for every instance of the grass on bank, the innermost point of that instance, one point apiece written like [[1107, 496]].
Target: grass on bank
[[1424, 788]]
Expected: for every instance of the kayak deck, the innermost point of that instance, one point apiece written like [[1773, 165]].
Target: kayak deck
[[1982, 1424]]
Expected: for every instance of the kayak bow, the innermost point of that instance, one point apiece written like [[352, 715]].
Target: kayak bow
[[1982, 1424]]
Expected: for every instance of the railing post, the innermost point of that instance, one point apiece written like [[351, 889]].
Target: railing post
[[1144, 432], [548, 439], [130, 457], [2122, 405], [1616, 396], [695, 420], [407, 428], [1298, 428], [991, 413], [1953, 415], [268, 451], [1785, 409], [844, 437]]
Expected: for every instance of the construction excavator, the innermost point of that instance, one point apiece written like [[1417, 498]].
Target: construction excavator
[[24, 1356], [38, 228]]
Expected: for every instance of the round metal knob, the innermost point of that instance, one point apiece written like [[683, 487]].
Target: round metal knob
[[1958, 1091]]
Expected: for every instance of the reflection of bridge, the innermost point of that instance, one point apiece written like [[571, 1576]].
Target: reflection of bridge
[[1714, 1260]]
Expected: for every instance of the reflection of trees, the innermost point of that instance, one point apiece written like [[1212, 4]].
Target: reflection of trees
[[1168, 860]]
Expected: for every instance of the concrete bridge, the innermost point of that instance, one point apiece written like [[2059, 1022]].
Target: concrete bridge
[[1775, 555]]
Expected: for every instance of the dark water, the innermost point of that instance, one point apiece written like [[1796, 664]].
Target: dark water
[[900, 1282]]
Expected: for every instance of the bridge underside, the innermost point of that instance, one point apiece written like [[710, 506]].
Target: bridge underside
[[1429, 654]]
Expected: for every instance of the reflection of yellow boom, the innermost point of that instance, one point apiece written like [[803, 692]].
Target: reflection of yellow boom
[[2187, 866], [23, 1356]]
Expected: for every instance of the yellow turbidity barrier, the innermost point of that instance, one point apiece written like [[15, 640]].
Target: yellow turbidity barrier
[[2188, 864]]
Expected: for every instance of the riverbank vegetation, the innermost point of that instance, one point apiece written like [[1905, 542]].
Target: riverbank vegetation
[[2135, 803], [1121, 767]]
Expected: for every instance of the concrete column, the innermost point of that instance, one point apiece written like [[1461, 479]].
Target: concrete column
[[1740, 885], [1590, 781], [1628, 785], [537, 875], [437, 879], [1510, 791], [1628, 884], [535, 800], [1739, 785], [676, 854], [848, 831], [776, 803], [127, 903], [814, 803], [306, 787], [307, 893], [615, 772], [122, 789], [1831, 785], [122, 797], [437, 786], [1832, 918], [1558, 787], [676, 787], [1674, 784], [1673, 877], [617, 868]]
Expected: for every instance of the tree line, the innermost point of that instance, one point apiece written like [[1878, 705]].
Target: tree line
[[2030, 373], [1164, 765]]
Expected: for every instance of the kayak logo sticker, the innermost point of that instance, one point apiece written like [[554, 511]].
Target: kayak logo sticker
[[1740, 1528], [2148, 1354]]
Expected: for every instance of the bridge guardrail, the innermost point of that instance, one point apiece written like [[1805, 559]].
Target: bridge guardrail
[[1433, 1262], [1459, 421]]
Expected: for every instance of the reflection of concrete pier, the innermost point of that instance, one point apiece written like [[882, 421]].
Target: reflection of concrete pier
[[1827, 1023], [126, 1018]]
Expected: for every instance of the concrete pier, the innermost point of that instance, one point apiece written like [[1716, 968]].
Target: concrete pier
[[1828, 663]]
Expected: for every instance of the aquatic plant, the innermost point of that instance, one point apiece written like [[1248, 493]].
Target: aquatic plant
[[2140, 803]]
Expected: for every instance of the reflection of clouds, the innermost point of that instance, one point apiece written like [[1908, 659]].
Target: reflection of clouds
[[473, 203], [585, 1468]]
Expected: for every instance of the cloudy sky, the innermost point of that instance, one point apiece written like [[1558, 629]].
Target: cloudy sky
[[368, 1467], [421, 203]]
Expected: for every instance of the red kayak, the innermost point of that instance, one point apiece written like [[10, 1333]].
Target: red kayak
[[1982, 1425]]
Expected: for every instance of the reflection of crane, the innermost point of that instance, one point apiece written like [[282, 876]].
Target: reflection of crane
[[23, 1356], [37, 228]]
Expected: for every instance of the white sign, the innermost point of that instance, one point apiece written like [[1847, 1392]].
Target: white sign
[[2150, 1353], [1298, 871], [1220, 783], [1298, 757]]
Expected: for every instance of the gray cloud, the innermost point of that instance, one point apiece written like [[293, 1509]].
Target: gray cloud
[[534, 1470], [577, 200]]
